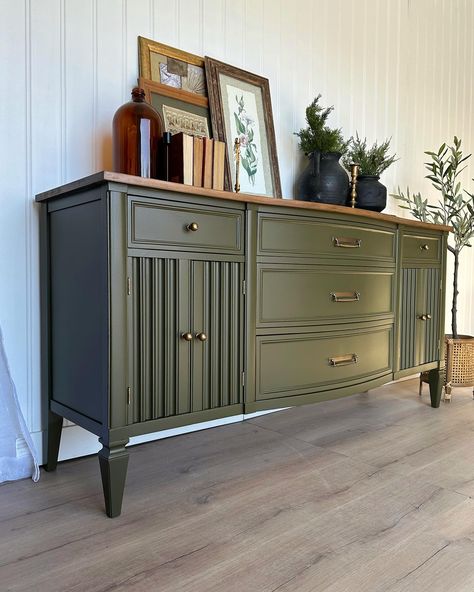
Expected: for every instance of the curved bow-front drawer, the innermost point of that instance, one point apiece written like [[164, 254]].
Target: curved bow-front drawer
[[301, 236], [289, 365], [309, 294], [158, 224]]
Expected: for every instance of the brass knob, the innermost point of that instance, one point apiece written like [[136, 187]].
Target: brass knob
[[201, 336], [425, 247], [193, 226], [428, 317], [423, 317], [187, 336]]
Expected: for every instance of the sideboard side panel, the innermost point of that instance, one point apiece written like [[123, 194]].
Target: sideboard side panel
[[79, 307]]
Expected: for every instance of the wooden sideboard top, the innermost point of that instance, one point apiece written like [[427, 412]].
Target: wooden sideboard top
[[132, 180]]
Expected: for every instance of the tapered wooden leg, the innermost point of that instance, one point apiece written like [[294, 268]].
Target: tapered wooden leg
[[55, 426], [436, 379], [113, 463]]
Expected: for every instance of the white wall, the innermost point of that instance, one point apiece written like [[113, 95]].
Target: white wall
[[400, 68]]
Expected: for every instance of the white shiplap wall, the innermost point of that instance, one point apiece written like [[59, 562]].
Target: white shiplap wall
[[400, 68]]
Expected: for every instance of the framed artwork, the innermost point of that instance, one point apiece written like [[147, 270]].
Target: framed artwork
[[172, 67], [181, 112], [240, 106]]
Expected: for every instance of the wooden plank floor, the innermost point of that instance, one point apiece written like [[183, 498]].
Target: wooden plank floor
[[368, 493]]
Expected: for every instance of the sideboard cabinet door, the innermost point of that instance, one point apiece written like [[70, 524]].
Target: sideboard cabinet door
[[420, 317], [185, 336]]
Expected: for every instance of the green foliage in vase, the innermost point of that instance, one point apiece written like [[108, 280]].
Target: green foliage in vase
[[372, 161], [455, 208], [317, 136]]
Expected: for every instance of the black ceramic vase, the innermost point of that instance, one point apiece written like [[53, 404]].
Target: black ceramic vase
[[324, 180], [371, 194]]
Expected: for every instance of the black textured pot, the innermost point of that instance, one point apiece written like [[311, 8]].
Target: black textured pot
[[324, 180], [371, 194]]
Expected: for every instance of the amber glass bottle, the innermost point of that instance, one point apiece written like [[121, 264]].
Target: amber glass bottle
[[137, 130]]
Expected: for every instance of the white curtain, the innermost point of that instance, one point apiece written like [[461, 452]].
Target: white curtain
[[18, 457]]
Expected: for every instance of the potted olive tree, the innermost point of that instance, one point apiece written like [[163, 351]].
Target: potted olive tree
[[324, 179], [456, 209], [372, 161]]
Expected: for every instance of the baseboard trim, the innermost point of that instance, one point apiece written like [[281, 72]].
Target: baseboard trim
[[77, 442]]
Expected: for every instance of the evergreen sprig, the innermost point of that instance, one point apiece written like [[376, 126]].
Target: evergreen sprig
[[318, 136], [372, 161]]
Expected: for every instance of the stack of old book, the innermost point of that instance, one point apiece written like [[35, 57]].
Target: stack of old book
[[197, 161]]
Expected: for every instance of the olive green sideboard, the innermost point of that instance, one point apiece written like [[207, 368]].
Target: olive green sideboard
[[165, 305]]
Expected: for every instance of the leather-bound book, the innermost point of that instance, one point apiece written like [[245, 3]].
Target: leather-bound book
[[198, 161], [207, 165], [218, 165], [181, 158]]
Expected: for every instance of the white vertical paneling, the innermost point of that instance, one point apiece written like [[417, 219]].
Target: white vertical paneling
[[302, 84], [253, 41], [213, 23], [190, 26], [15, 162], [111, 88], [400, 68], [165, 24], [235, 30], [342, 65], [286, 143], [79, 84], [271, 69], [46, 160], [136, 15]]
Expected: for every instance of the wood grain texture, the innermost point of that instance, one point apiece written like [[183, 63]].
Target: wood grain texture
[[372, 492], [132, 180]]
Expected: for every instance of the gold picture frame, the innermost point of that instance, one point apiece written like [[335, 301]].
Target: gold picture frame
[[187, 112], [181, 73]]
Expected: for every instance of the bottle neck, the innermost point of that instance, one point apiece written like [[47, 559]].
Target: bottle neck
[[138, 95]]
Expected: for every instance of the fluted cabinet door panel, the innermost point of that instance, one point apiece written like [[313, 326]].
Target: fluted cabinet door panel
[[420, 298], [172, 375], [408, 319], [217, 312], [155, 350], [429, 341]]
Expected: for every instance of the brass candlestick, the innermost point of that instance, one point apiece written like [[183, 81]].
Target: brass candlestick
[[354, 173], [237, 164]]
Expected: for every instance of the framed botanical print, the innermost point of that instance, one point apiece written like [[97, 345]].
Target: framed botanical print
[[240, 107], [180, 112]]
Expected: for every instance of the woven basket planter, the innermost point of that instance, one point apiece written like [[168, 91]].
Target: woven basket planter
[[459, 356], [459, 363]]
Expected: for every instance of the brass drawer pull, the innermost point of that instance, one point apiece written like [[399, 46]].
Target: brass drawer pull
[[201, 336], [425, 247], [193, 226], [347, 243], [187, 336], [343, 360], [345, 296]]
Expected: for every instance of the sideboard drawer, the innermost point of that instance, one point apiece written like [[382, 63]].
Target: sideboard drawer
[[290, 365], [418, 248], [292, 236], [159, 224], [305, 294]]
